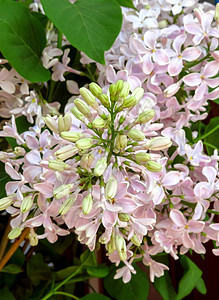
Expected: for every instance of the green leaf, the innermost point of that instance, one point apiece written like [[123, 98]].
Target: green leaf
[[64, 273], [91, 261], [11, 269], [137, 288], [22, 40], [164, 286], [200, 286], [99, 271], [4, 178], [6, 294], [22, 124], [40, 17], [37, 269], [90, 26], [190, 278], [126, 3], [212, 138], [95, 296]]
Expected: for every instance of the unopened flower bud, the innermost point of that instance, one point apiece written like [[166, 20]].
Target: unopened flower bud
[[172, 89], [66, 205], [142, 157], [86, 161], [14, 233], [98, 123], [100, 167], [95, 89], [119, 85], [27, 203], [129, 102], [82, 107], [66, 152], [32, 236], [121, 141], [104, 100], [62, 190], [163, 24], [64, 123], [121, 247], [111, 188], [135, 240], [153, 166], [87, 204], [125, 90], [84, 144], [19, 151], [88, 97], [146, 116], [136, 135], [51, 123], [57, 165], [6, 202], [124, 217], [113, 89], [111, 246], [159, 143], [138, 93], [77, 113], [71, 136]]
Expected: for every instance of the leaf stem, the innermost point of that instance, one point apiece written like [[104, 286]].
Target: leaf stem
[[66, 294], [59, 41], [207, 134]]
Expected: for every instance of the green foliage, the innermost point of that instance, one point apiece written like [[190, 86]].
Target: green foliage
[[4, 178], [99, 271], [6, 294], [212, 133], [164, 286], [126, 3], [22, 40], [200, 286], [95, 296], [66, 272], [11, 269], [137, 288], [97, 21], [37, 269], [190, 278]]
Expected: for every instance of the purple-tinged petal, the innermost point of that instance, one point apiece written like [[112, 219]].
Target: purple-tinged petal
[[193, 28], [213, 82], [178, 42], [33, 157], [210, 173], [150, 38], [12, 172], [32, 142], [198, 38], [200, 91], [191, 53], [160, 57], [193, 79], [196, 226], [45, 188], [177, 218], [206, 21], [147, 66], [175, 66], [210, 69], [214, 32], [187, 241], [171, 178]]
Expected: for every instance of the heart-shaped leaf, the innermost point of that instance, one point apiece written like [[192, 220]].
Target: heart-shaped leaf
[[22, 40], [90, 26]]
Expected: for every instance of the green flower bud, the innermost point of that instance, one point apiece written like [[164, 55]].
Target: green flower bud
[[153, 166], [62, 190], [104, 100], [119, 85], [99, 123], [121, 141], [100, 167], [71, 136], [32, 236], [51, 123], [26, 203], [77, 114], [88, 97], [82, 107], [159, 143], [135, 240], [138, 93], [113, 89], [121, 247], [86, 161], [64, 123], [66, 205], [124, 217], [84, 144], [66, 152], [142, 157], [129, 102], [136, 135], [125, 90], [6, 202], [111, 246], [14, 233], [146, 116], [95, 89], [57, 165], [87, 204], [111, 188], [19, 151]]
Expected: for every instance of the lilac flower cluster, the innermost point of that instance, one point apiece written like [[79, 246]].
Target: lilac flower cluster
[[104, 169]]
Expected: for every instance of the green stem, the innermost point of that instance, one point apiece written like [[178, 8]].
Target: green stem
[[59, 41], [206, 134], [66, 294], [210, 145], [51, 89], [187, 66], [213, 211]]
